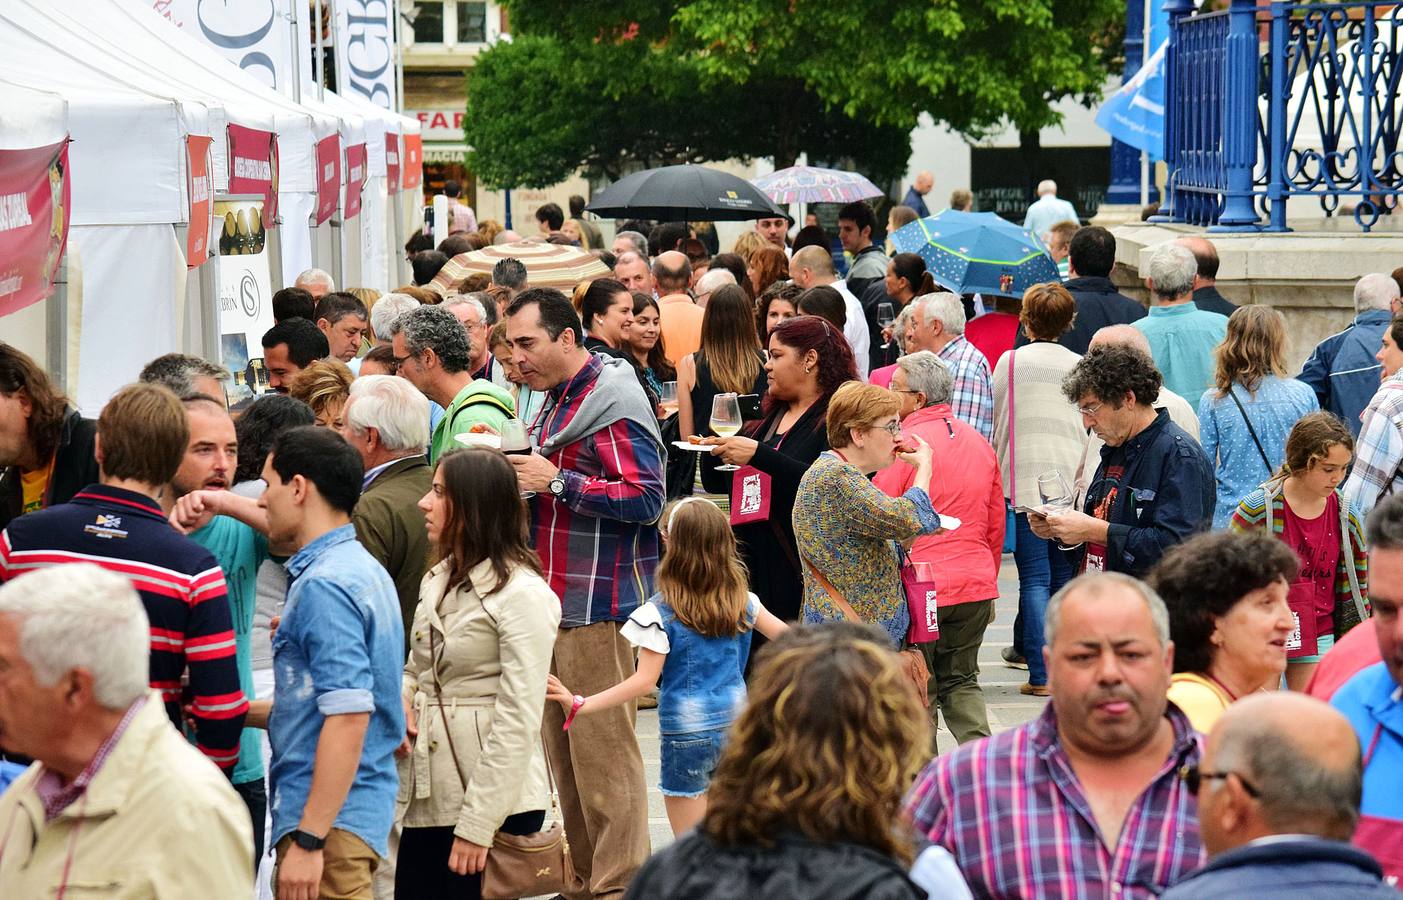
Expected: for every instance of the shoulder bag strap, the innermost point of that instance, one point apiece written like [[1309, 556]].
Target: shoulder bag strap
[[1348, 558], [843, 606], [1012, 459], [1250, 430]]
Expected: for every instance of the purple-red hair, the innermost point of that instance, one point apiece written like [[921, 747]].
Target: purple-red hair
[[836, 364]]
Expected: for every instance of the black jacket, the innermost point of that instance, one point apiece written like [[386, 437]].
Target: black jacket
[[1098, 304], [75, 467], [1209, 300], [1298, 866], [1165, 493], [696, 868]]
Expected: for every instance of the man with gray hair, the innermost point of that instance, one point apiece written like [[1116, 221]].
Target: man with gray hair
[[510, 273], [435, 352], [630, 242], [151, 815], [1048, 210], [965, 562], [1343, 370], [384, 313], [478, 314], [186, 375], [1182, 337], [1278, 800], [384, 421], [938, 325], [710, 281], [1096, 775], [315, 282], [634, 272]]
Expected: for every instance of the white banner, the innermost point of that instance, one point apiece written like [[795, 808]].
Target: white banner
[[245, 294], [255, 35], [365, 51]]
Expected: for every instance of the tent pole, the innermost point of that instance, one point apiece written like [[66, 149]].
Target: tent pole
[[56, 325], [294, 24], [319, 64]]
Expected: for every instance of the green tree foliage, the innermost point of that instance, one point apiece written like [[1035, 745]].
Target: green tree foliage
[[606, 86]]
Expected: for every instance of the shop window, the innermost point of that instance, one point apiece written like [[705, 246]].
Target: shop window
[[428, 22], [472, 23]]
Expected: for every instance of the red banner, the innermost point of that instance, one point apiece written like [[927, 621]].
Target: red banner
[[253, 167], [413, 161], [355, 178], [197, 237], [328, 176], [392, 162], [33, 222]]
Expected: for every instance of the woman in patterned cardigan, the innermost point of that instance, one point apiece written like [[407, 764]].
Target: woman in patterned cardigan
[[1303, 507]]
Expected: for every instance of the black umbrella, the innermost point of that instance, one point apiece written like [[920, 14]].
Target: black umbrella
[[684, 194]]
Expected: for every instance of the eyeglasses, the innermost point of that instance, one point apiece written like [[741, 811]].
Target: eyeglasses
[[1091, 411], [1193, 778], [892, 428]]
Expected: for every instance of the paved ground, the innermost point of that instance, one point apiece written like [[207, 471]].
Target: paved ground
[[1007, 707]]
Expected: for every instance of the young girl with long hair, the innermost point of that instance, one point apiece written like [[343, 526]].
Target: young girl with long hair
[[1301, 505], [694, 634]]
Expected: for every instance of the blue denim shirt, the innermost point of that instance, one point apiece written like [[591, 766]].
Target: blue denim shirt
[[339, 650]]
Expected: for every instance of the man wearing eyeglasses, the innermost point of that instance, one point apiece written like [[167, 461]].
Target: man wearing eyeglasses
[[1154, 486], [1278, 799], [1086, 799]]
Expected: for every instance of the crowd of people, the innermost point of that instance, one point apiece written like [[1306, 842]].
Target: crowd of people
[[359, 635]]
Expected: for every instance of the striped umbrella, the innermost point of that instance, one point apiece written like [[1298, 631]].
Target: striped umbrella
[[547, 265], [977, 253], [808, 184]]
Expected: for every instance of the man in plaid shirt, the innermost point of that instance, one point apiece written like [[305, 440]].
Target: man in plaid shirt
[[598, 477], [1379, 453], [1086, 800], [939, 326]]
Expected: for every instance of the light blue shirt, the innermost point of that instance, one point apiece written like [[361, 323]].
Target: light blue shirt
[[1278, 404], [1046, 212], [339, 650], [1182, 339]]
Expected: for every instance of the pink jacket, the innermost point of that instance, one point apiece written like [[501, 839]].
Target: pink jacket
[[965, 483]]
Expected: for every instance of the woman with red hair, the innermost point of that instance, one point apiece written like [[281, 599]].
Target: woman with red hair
[[808, 360]]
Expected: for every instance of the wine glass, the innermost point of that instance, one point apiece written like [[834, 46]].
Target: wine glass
[[1057, 495], [886, 317], [516, 442], [668, 398], [725, 420]]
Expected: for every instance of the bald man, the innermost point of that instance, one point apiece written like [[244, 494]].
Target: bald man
[[812, 267], [1278, 800], [678, 316], [1180, 413], [1206, 296], [915, 194]]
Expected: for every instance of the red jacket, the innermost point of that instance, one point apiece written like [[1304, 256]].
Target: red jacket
[[964, 484]]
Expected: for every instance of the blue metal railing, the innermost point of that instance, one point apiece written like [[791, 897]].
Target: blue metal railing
[[1315, 112]]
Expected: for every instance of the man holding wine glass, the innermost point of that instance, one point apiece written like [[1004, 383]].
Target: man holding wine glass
[[1154, 486]]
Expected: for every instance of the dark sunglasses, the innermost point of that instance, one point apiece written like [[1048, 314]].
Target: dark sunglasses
[[1193, 778]]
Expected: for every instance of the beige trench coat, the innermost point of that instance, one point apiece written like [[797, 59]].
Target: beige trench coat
[[493, 653]]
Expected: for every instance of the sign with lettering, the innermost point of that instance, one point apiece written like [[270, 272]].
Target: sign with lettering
[[33, 222], [245, 294], [197, 237], [252, 34], [253, 166], [413, 161], [440, 124], [392, 162], [328, 176], [355, 179], [365, 51]]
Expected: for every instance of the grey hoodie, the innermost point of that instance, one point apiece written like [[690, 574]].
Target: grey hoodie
[[616, 395]]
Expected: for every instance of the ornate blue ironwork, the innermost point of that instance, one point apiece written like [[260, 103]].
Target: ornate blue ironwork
[[1315, 115]]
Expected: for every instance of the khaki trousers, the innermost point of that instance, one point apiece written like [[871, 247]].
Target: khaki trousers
[[348, 866], [954, 669], [597, 763]]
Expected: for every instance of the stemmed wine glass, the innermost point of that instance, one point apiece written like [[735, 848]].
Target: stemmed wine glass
[[886, 317], [725, 420], [1057, 495], [668, 398], [516, 442]]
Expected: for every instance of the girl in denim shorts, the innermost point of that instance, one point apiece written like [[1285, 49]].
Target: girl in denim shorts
[[694, 634]]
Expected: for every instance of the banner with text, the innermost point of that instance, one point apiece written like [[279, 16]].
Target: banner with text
[[365, 51], [355, 179], [328, 176], [413, 161], [253, 166], [33, 222], [197, 237], [392, 162], [245, 294], [255, 36]]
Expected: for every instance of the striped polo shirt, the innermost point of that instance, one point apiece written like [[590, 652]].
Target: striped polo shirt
[[180, 585]]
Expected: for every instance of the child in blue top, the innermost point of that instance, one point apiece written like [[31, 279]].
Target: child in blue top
[[695, 634]]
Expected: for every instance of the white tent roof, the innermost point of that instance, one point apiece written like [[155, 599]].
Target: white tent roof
[[30, 118]]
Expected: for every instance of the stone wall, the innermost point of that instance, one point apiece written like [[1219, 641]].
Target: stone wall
[[1308, 275]]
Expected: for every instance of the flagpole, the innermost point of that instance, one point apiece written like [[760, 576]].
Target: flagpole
[[1144, 154]]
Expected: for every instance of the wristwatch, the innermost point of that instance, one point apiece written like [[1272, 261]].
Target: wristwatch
[[308, 841], [557, 486]]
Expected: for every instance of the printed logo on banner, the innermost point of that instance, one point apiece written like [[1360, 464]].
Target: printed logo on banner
[[197, 162], [413, 161], [253, 166], [392, 163], [34, 197], [364, 40], [244, 288], [329, 177], [355, 179]]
